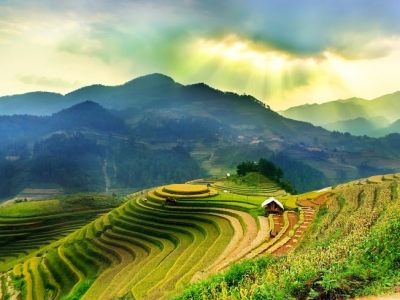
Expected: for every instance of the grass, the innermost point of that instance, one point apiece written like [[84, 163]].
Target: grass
[[28, 291], [31, 208], [87, 265], [375, 179], [63, 275], [160, 192], [289, 201], [389, 177], [38, 289], [52, 287]]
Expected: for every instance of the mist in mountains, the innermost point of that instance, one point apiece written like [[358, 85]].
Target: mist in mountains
[[375, 118], [152, 131]]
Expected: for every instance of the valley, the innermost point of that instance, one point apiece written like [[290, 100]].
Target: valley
[[168, 132]]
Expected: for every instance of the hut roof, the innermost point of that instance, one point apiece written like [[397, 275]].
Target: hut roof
[[270, 200]]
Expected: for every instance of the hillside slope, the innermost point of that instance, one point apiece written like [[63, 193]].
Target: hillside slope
[[156, 125], [349, 250]]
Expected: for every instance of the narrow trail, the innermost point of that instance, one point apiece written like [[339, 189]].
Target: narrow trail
[[106, 178], [212, 155]]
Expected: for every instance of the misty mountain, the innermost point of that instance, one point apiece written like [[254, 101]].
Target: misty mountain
[[139, 92], [34, 103], [88, 114], [152, 131], [361, 126], [330, 114], [393, 127]]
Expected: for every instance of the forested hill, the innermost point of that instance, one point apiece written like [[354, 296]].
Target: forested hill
[[84, 148], [152, 131]]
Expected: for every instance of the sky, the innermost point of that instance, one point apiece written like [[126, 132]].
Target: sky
[[283, 52]]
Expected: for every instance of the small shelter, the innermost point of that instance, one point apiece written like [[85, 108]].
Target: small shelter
[[272, 205]]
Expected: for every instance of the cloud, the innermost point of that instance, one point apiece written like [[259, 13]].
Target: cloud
[[309, 28], [270, 49], [305, 28], [47, 82]]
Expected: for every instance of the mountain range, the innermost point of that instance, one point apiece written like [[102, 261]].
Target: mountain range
[[152, 131], [376, 117]]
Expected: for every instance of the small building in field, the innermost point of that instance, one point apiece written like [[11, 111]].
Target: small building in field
[[272, 205]]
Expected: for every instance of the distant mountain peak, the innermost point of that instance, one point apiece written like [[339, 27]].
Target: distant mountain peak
[[151, 79], [89, 114], [85, 105]]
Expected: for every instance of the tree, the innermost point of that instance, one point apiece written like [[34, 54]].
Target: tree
[[247, 166]]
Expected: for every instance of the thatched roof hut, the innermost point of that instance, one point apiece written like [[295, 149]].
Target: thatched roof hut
[[272, 205]]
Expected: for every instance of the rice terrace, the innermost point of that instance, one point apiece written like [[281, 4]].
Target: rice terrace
[[173, 241]]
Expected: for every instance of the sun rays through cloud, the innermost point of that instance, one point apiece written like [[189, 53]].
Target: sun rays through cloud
[[262, 71], [282, 52]]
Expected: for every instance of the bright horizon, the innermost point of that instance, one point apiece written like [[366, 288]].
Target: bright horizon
[[284, 53]]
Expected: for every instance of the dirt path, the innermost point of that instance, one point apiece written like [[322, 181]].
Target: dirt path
[[321, 199], [106, 178], [293, 219]]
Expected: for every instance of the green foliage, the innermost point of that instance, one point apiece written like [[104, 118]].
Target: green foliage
[[303, 177], [156, 167], [394, 190], [19, 283], [68, 161], [31, 208], [62, 273], [13, 176], [268, 169], [247, 166], [79, 291], [341, 200], [89, 200], [219, 285]]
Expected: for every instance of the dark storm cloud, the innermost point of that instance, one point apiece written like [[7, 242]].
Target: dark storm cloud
[[312, 27]]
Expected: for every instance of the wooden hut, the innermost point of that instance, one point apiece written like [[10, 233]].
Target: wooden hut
[[272, 205]]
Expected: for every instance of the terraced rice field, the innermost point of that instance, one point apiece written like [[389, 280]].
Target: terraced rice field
[[148, 248], [272, 190], [24, 236]]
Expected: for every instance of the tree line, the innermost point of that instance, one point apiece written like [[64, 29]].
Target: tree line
[[268, 169]]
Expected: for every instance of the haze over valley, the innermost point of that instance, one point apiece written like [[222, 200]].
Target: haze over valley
[[153, 116]]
